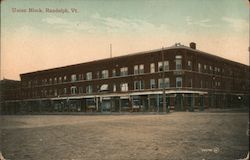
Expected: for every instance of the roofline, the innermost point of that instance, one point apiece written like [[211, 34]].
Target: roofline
[[138, 53]]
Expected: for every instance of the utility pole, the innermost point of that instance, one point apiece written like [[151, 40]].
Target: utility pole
[[163, 79], [110, 47]]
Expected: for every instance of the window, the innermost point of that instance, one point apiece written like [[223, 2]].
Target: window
[[29, 84], [65, 90], [60, 80], [55, 80], [114, 87], [141, 69], [152, 83], [136, 69], [178, 62], [211, 68], [138, 85], [166, 83], [55, 92], [160, 66], [166, 65], [73, 89], [80, 90], [124, 87], [190, 82], [88, 89], [190, 65], [80, 77], [201, 84], [105, 73], [199, 67], [178, 82], [124, 71], [205, 67], [97, 74], [215, 69], [152, 68], [73, 77], [113, 73], [104, 87], [64, 78], [50, 81], [89, 75]]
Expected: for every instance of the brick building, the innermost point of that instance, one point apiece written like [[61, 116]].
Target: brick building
[[9, 95], [188, 79]]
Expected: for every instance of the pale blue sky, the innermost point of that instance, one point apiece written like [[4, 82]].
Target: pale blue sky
[[218, 26]]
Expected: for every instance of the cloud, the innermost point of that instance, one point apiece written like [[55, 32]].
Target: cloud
[[237, 24], [61, 23], [98, 23], [201, 23]]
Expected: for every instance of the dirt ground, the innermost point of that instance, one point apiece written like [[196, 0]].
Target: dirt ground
[[178, 135]]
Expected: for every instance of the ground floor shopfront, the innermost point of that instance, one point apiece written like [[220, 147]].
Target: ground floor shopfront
[[127, 102]]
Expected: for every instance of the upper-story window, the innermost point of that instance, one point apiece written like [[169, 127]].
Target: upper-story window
[[50, 81], [205, 67], [166, 65], [136, 69], [89, 89], [80, 77], [73, 77], [160, 66], [152, 84], [162, 83], [152, 68], [65, 90], [163, 66], [190, 65], [199, 67], [105, 73], [178, 82], [211, 68], [97, 74], [178, 62], [124, 87], [55, 80], [124, 71], [29, 83], [60, 80], [190, 82], [88, 75], [113, 73], [114, 87], [73, 89], [80, 90], [65, 78], [141, 69], [138, 85]]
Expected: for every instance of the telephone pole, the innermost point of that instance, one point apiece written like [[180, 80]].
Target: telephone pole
[[164, 83]]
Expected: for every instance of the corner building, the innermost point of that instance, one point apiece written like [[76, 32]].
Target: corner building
[[189, 79]]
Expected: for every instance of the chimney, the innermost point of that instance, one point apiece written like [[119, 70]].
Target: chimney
[[192, 45]]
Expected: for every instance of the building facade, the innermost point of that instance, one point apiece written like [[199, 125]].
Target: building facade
[[9, 95], [189, 79]]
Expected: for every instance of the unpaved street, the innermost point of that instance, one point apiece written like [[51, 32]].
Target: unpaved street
[[178, 135]]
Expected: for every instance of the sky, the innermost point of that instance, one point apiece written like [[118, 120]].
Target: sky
[[32, 41]]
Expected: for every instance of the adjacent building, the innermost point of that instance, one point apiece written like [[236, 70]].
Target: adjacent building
[[177, 77]]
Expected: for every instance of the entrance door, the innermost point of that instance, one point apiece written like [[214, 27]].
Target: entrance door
[[179, 102]]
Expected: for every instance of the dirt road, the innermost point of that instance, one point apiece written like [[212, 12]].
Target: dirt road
[[179, 135]]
